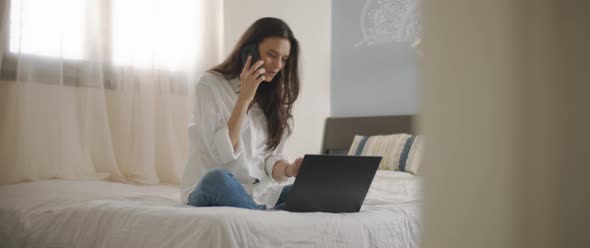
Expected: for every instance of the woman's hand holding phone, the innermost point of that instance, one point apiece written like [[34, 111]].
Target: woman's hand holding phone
[[250, 78]]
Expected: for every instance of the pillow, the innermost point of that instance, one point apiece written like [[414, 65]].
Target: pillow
[[401, 152], [337, 151]]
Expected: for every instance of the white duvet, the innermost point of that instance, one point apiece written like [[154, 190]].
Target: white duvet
[[58, 213]]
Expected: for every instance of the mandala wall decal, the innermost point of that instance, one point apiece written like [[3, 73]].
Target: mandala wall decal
[[387, 21]]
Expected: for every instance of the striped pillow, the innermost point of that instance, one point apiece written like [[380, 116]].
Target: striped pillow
[[401, 152]]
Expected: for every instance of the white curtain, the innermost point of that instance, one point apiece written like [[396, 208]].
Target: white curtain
[[99, 89]]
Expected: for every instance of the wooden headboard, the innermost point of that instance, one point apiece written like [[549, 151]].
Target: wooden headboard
[[339, 131]]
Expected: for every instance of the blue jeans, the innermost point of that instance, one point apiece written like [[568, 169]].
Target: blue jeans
[[219, 187]]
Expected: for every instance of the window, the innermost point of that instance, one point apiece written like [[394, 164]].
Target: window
[[36, 29], [158, 34]]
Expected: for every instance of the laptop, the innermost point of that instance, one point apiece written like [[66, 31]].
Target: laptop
[[332, 183]]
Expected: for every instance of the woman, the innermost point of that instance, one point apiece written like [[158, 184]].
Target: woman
[[241, 121]]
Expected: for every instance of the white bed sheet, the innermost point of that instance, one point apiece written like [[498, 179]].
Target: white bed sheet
[[57, 213]]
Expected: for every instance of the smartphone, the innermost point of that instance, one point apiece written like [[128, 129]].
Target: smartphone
[[252, 50]]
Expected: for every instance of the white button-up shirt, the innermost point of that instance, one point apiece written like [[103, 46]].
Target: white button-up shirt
[[210, 146]]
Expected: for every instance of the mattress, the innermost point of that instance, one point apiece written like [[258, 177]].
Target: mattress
[[59, 213]]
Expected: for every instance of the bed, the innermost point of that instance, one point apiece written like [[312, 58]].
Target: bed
[[59, 213]]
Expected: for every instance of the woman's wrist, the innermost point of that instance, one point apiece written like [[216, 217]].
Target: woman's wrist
[[286, 170], [243, 102], [280, 169]]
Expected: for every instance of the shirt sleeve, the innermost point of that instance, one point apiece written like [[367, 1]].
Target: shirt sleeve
[[211, 126], [223, 145], [277, 155]]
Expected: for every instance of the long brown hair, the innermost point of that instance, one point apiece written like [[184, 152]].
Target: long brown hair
[[277, 97]]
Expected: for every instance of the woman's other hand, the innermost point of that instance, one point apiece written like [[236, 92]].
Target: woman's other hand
[[293, 169]]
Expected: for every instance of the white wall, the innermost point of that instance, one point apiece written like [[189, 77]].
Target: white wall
[[371, 80], [310, 21]]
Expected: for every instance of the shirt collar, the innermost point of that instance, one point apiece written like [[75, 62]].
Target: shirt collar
[[235, 84]]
